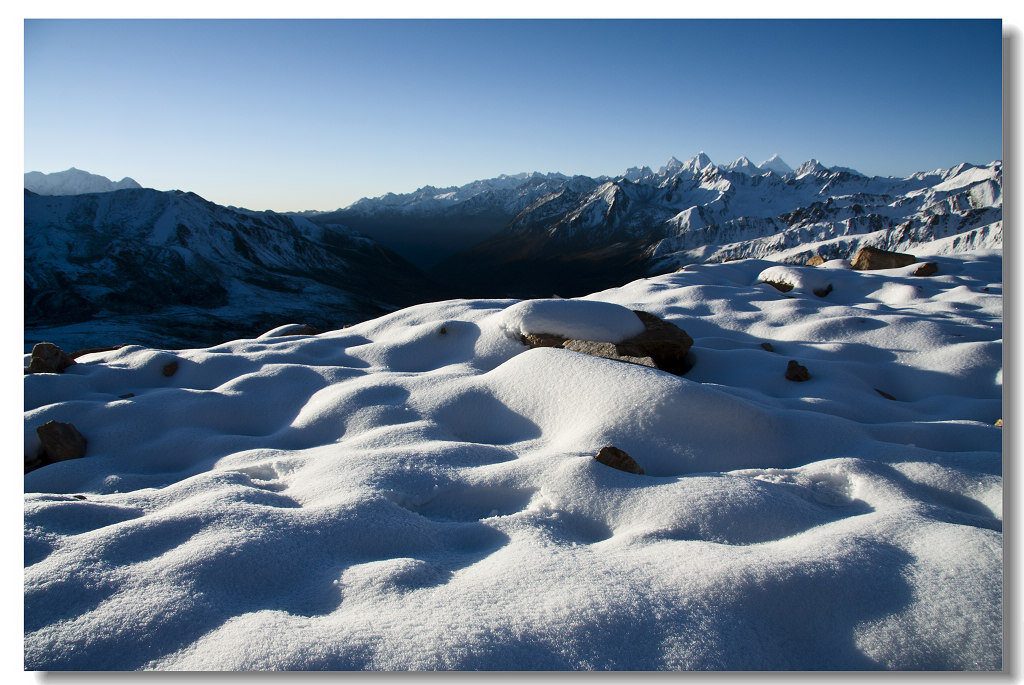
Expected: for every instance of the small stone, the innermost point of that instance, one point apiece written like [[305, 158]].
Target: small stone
[[60, 441], [444, 330], [170, 368], [999, 423], [816, 260], [767, 346], [822, 292], [797, 372], [618, 459], [126, 396], [48, 358], [926, 269]]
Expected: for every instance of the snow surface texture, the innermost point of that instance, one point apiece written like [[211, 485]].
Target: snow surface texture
[[418, 491]]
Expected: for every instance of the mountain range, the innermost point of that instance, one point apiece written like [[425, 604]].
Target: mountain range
[[176, 266]]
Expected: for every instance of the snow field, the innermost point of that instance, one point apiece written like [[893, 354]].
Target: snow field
[[418, 491]]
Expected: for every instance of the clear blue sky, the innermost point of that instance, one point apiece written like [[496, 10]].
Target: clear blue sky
[[314, 114]]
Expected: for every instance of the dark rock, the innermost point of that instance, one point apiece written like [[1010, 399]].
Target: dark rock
[[542, 340], [663, 341], [58, 442], [126, 396], [170, 368], [618, 459], [816, 260], [48, 358], [767, 346], [444, 330], [870, 258], [780, 286], [663, 345], [607, 351], [884, 394], [926, 269], [797, 372], [822, 292]]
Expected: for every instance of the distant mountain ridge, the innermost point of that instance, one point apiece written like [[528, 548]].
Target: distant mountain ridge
[[172, 269], [74, 182], [534, 234], [177, 266]]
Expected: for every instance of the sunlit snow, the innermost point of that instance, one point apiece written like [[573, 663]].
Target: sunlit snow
[[419, 491]]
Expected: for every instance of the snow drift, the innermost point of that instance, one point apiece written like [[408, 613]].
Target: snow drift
[[419, 491]]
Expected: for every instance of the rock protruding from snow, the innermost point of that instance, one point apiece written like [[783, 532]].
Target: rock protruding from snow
[[659, 344], [610, 455], [926, 269], [48, 358], [871, 258], [795, 371], [58, 442]]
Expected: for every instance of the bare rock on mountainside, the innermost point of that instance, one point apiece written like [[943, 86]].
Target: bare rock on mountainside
[[58, 442], [797, 372], [926, 269], [816, 260], [48, 358], [871, 258], [662, 345], [618, 459]]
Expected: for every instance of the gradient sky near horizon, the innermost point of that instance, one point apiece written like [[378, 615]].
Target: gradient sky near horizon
[[315, 114]]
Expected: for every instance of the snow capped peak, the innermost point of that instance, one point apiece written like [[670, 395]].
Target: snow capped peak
[[744, 166], [775, 163], [636, 173], [74, 182], [811, 166], [700, 161], [671, 166]]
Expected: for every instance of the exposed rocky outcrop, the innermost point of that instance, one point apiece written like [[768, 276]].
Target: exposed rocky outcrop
[[58, 442], [816, 260], [48, 358], [662, 345], [871, 258], [926, 269], [618, 459]]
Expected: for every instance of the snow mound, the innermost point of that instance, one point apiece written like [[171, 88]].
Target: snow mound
[[577, 319], [418, 491]]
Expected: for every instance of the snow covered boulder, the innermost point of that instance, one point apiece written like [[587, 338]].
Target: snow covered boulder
[[785, 278], [871, 258], [571, 319], [601, 329]]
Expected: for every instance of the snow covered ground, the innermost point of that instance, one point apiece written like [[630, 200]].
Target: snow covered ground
[[419, 491]]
